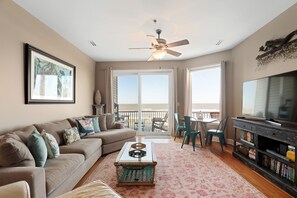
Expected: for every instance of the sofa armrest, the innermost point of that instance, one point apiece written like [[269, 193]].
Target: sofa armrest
[[118, 125], [19, 189], [34, 176]]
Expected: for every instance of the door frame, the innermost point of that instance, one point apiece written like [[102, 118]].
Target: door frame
[[139, 73]]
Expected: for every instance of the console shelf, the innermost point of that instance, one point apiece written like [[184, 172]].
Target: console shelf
[[267, 144]]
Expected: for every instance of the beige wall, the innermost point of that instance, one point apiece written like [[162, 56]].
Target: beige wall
[[244, 55], [19, 27]]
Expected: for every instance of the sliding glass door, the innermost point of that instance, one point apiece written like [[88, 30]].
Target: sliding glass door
[[143, 99]]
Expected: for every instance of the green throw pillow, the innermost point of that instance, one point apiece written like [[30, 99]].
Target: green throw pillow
[[38, 148], [96, 124]]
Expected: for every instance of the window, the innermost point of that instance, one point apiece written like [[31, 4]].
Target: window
[[206, 85]]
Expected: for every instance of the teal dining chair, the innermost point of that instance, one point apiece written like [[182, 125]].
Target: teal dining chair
[[178, 128], [190, 133], [219, 132]]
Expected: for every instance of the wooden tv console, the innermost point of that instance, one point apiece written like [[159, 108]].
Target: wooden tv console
[[263, 146]]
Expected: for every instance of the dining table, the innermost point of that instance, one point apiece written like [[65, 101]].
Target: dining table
[[203, 127], [202, 124]]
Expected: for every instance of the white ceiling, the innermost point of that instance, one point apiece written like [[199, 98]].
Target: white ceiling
[[116, 25]]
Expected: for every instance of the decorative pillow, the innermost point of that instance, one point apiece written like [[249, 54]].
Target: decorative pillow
[[110, 121], [96, 126], [52, 146], [38, 148], [14, 153], [71, 135], [12, 135], [102, 122], [85, 126]]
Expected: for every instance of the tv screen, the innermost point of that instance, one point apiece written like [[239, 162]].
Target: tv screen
[[273, 97]]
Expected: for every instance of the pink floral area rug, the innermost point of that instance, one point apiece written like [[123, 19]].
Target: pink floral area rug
[[181, 173]]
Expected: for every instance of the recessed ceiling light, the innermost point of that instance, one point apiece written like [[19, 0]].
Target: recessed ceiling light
[[93, 43], [219, 42]]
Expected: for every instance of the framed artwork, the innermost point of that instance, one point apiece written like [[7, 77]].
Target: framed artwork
[[47, 78]]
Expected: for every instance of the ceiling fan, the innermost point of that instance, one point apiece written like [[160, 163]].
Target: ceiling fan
[[161, 47]]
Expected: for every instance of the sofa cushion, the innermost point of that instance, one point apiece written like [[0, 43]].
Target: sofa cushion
[[73, 122], [14, 153], [113, 135], [110, 121], [25, 132], [55, 128], [51, 145], [57, 170], [102, 122], [84, 146], [71, 135], [38, 148]]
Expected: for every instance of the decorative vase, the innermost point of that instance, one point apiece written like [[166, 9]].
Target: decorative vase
[[97, 97]]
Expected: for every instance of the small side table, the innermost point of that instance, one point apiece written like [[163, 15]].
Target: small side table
[[99, 109]]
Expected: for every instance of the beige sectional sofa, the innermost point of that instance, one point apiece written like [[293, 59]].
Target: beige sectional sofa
[[61, 174]]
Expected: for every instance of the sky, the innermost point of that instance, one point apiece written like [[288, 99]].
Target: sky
[[155, 88], [206, 85]]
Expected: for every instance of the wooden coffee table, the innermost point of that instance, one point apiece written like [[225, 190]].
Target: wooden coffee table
[[133, 171]]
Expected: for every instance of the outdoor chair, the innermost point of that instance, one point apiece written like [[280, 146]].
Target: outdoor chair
[[136, 125], [178, 128], [158, 123], [219, 132], [190, 133]]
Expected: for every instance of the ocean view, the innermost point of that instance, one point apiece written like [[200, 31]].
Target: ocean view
[[164, 107]]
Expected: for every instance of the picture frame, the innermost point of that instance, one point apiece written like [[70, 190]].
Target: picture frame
[[48, 79]]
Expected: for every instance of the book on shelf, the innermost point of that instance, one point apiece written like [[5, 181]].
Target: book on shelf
[[279, 168], [247, 136]]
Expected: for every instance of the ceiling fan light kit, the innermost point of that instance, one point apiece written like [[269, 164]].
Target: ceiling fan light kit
[[158, 54], [161, 47]]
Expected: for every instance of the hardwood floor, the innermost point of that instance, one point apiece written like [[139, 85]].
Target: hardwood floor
[[266, 187]]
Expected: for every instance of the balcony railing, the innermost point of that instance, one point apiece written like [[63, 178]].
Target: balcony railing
[[146, 117], [131, 117]]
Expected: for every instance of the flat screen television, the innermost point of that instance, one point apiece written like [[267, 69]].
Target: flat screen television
[[271, 98]]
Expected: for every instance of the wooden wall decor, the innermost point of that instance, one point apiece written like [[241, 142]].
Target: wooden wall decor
[[285, 48]]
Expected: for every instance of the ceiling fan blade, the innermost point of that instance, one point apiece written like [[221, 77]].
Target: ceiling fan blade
[[136, 48], [178, 43], [150, 58], [173, 53], [153, 39]]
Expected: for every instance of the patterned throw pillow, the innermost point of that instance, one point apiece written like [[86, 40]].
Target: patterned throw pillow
[[52, 146], [71, 135], [14, 153], [38, 148], [85, 126]]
